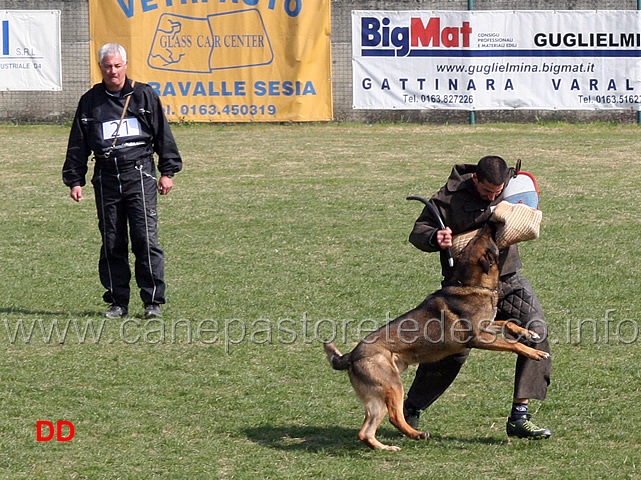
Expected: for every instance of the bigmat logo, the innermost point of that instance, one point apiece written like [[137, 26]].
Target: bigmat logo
[[380, 39]]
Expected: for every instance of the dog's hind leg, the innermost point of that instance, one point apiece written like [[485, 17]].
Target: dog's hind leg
[[375, 411], [394, 401]]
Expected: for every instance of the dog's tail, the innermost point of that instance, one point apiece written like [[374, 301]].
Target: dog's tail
[[336, 359]]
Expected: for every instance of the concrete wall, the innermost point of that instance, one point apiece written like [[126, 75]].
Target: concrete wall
[[58, 106]]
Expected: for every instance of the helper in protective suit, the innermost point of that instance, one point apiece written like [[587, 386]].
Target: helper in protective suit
[[465, 203]]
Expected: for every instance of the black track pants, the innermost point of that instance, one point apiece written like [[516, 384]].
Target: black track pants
[[517, 303], [127, 197]]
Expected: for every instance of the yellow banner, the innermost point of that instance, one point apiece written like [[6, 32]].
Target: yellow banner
[[224, 61]]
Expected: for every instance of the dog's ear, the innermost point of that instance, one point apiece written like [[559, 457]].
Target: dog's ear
[[490, 229], [486, 262]]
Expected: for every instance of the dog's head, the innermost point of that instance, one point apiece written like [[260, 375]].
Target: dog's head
[[478, 262]]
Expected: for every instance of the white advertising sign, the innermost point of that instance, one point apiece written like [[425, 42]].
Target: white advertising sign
[[497, 60], [30, 50]]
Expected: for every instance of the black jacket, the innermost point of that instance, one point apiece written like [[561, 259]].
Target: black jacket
[[461, 210], [144, 131]]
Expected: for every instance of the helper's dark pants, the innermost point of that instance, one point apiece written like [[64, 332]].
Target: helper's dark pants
[[518, 303], [126, 195]]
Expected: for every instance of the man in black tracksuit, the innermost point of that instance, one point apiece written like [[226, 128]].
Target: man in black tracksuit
[[464, 205], [123, 124]]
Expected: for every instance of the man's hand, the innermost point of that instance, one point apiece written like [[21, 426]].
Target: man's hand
[[444, 238], [165, 184], [76, 193]]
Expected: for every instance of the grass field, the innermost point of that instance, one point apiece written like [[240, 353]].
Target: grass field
[[276, 237]]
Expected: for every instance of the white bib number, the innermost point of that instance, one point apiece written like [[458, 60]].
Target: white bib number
[[128, 128]]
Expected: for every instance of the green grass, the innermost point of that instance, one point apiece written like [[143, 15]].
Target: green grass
[[273, 235]]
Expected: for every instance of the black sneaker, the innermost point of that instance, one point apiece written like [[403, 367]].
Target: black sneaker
[[152, 310], [524, 428], [412, 416], [116, 311]]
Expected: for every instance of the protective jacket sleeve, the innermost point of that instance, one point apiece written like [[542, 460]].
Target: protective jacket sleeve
[[74, 170], [423, 235], [169, 161]]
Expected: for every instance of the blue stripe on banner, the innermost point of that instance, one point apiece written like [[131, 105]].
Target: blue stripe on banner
[[5, 37], [370, 52]]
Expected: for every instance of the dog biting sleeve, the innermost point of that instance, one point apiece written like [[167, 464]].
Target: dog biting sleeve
[[516, 222]]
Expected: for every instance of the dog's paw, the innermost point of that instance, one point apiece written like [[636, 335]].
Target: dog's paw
[[533, 335], [541, 355], [418, 435], [390, 448]]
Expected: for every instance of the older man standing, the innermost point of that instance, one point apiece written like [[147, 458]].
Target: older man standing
[[122, 122]]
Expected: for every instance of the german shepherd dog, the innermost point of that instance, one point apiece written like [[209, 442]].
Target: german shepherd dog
[[454, 318]]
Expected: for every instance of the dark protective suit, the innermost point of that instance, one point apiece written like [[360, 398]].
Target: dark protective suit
[[124, 182], [462, 210]]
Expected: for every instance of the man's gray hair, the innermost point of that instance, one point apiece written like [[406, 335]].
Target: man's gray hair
[[109, 50]]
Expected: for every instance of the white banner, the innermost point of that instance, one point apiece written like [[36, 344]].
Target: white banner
[[497, 60], [30, 50]]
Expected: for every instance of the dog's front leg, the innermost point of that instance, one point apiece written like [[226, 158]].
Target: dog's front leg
[[502, 327], [487, 341]]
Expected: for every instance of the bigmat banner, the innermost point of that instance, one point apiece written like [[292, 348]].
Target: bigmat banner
[[224, 61], [30, 50], [481, 60]]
